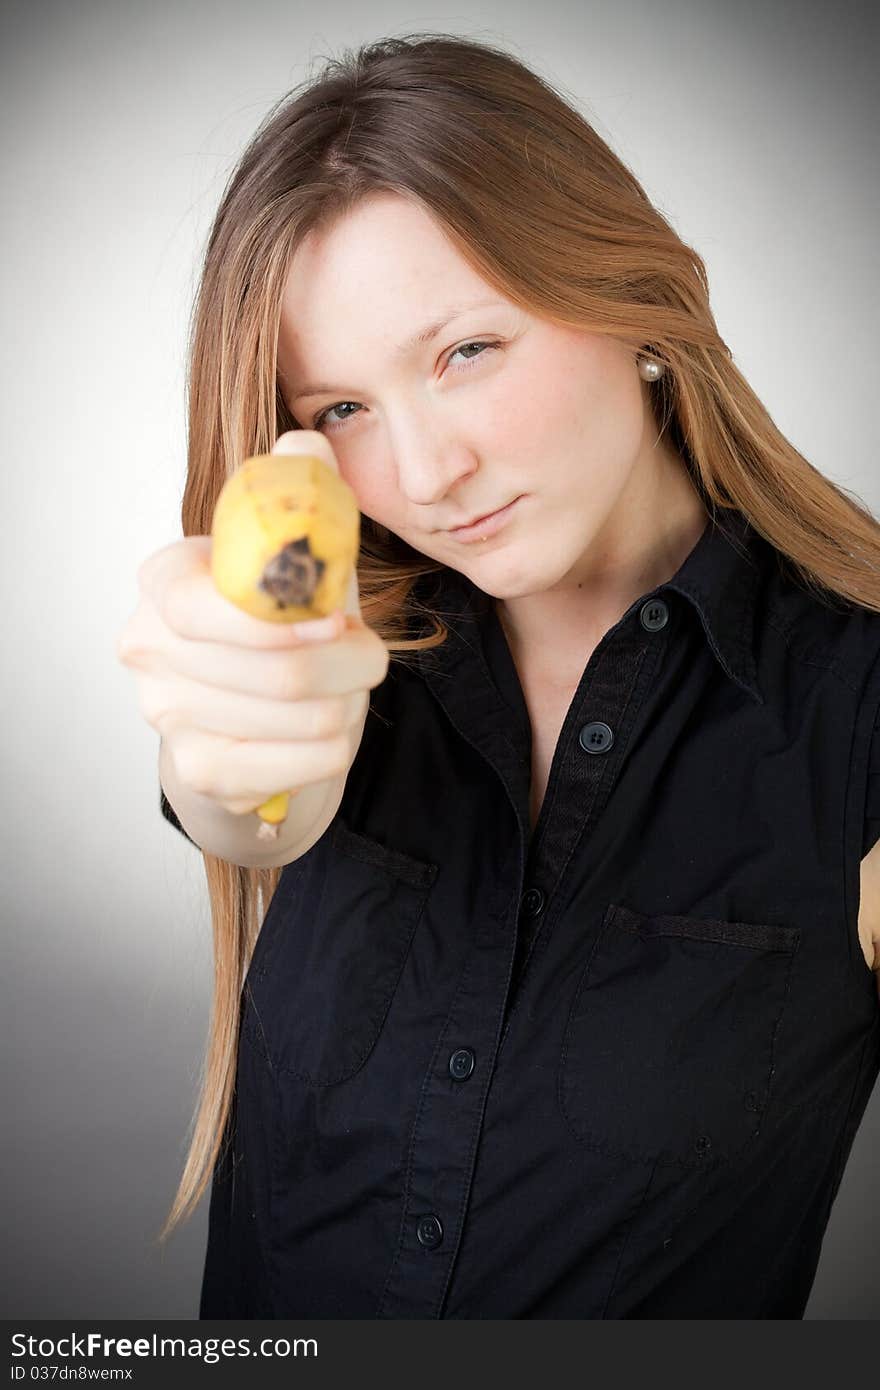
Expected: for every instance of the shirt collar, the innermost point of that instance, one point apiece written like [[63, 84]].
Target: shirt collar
[[720, 578]]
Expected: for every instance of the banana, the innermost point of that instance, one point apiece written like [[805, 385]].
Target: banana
[[285, 537]]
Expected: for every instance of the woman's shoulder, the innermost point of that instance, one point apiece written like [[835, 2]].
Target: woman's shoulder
[[817, 626], [808, 638]]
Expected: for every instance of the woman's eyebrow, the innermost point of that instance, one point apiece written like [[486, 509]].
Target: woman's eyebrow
[[409, 345]]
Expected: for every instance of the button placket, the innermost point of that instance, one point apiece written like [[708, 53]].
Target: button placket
[[442, 1154], [597, 736], [443, 1145], [594, 737]]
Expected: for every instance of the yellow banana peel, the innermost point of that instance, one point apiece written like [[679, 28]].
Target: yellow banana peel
[[285, 539]]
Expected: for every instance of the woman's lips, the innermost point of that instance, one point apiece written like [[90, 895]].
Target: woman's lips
[[481, 530]]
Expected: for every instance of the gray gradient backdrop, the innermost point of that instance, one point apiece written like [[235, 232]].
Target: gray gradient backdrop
[[754, 128]]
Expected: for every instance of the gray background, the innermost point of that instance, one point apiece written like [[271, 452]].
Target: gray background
[[752, 126]]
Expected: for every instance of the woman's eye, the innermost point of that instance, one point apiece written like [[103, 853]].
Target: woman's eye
[[320, 419], [471, 345]]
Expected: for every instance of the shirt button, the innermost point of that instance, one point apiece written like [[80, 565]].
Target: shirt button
[[596, 737], [532, 902], [429, 1231], [654, 614], [461, 1064]]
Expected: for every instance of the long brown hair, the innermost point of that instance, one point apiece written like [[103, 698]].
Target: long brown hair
[[546, 213]]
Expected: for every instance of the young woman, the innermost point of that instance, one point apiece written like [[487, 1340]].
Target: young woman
[[555, 996]]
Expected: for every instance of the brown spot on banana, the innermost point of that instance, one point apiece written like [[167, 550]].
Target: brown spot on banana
[[292, 576]]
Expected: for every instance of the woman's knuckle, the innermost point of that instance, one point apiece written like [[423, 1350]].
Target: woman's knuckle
[[151, 567], [230, 774], [380, 666], [133, 644], [145, 574], [357, 707], [155, 703], [194, 769], [128, 652], [331, 716], [339, 753], [172, 605], [291, 678]]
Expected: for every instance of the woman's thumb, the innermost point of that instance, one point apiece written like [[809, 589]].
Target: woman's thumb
[[306, 442]]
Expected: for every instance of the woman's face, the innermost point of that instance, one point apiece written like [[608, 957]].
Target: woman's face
[[432, 435]]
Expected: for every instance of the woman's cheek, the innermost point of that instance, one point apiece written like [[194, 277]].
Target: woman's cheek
[[518, 407], [375, 499]]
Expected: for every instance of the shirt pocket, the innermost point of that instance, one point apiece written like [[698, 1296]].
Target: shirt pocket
[[331, 952], [668, 1049]]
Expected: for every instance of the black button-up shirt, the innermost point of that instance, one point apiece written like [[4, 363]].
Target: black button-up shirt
[[610, 1069]]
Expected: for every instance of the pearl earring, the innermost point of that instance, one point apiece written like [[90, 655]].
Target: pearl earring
[[649, 370]]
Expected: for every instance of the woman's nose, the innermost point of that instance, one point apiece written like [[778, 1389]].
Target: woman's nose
[[429, 464]]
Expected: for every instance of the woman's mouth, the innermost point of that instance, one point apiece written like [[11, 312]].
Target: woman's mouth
[[486, 526]]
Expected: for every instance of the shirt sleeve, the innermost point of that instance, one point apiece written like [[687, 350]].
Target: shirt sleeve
[[871, 829], [170, 815]]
